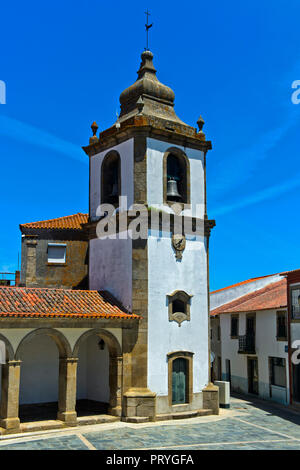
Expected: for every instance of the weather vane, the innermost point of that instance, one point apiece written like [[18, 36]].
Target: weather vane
[[147, 26]]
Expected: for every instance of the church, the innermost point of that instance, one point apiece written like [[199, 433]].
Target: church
[[117, 327]]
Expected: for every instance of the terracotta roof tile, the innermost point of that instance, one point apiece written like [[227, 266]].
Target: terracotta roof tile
[[71, 222], [40, 302], [248, 281], [272, 296]]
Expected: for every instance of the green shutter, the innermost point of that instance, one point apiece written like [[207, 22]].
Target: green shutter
[[179, 381]]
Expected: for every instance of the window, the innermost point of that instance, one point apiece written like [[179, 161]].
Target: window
[[176, 177], [111, 178], [295, 301], [277, 371], [179, 306], [219, 333], [56, 253], [281, 326], [234, 326]]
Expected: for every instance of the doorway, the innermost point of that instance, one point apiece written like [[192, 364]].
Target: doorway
[[179, 381], [93, 390], [253, 375]]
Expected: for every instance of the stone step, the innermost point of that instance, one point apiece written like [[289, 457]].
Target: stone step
[[42, 425], [136, 419], [184, 414], [96, 419]]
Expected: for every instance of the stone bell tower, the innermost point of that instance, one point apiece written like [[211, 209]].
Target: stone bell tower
[[154, 159]]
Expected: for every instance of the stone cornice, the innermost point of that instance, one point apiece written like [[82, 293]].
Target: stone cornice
[[208, 225], [161, 129]]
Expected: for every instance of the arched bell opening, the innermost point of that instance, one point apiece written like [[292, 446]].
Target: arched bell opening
[[176, 175], [111, 178]]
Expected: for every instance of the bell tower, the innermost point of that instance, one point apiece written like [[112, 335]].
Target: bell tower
[[155, 160]]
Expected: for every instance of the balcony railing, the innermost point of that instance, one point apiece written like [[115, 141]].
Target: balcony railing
[[247, 344], [9, 279]]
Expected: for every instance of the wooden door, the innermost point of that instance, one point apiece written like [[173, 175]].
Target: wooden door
[[179, 381]]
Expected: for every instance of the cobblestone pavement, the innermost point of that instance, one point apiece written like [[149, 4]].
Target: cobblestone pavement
[[247, 425]]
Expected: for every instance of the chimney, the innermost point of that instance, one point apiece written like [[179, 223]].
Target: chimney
[[17, 278], [31, 262]]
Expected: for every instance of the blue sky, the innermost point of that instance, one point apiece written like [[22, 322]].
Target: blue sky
[[65, 65]]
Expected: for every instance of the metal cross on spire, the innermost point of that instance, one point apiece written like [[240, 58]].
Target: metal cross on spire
[[147, 26]]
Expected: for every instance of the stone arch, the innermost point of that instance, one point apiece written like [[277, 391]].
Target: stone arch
[[111, 341], [59, 339], [9, 348], [185, 164], [110, 176], [115, 366]]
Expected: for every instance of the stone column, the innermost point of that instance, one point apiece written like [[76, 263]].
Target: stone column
[[67, 390], [9, 411], [115, 384]]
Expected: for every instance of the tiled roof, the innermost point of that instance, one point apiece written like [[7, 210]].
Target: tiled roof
[[243, 282], [56, 303], [272, 296], [251, 280], [71, 222]]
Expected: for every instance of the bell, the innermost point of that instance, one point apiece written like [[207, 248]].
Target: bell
[[172, 191], [115, 190]]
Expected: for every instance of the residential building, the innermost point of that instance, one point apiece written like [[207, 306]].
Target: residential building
[[254, 337], [55, 253], [293, 298]]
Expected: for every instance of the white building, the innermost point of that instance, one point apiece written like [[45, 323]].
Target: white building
[[252, 317]]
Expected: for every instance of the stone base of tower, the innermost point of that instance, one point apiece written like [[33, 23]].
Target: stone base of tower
[[139, 403]]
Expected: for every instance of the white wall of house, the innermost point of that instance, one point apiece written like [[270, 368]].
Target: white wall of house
[[227, 295], [39, 371], [266, 346], [165, 275], [110, 268], [295, 325]]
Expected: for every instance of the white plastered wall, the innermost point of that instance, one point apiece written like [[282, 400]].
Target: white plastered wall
[[39, 371], [266, 346], [93, 371], [111, 268], [165, 275]]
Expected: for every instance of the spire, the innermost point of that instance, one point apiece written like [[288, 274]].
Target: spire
[[147, 65], [158, 99]]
